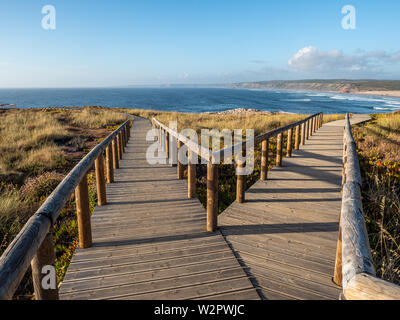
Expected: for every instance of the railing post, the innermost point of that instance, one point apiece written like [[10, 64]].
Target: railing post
[[120, 144], [115, 152], [303, 133], [174, 153], [241, 179], [297, 139], [191, 177], [123, 140], [100, 181], [307, 128], [109, 164], [212, 196], [289, 143], [264, 159], [279, 150], [83, 214], [322, 120], [162, 140], [337, 277], [314, 124], [45, 256], [167, 145], [123, 132], [180, 165]]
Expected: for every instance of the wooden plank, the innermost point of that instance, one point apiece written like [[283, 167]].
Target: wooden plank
[[196, 291], [158, 256], [156, 286], [285, 270], [136, 277], [329, 289]]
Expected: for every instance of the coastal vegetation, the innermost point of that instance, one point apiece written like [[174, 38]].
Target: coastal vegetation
[[38, 147], [379, 154]]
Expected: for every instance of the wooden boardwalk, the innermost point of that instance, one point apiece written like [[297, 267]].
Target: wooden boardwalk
[[149, 241], [285, 234]]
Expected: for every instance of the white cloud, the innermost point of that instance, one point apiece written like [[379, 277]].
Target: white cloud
[[310, 59]]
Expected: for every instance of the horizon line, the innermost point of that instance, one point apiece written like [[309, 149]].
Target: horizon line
[[189, 85]]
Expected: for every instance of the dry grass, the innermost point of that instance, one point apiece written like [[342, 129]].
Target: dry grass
[[32, 163], [96, 118], [10, 204], [26, 129], [379, 152], [381, 137], [333, 117], [47, 157], [27, 140]]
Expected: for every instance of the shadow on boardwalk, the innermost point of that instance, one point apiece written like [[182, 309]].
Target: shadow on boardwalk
[[285, 234], [150, 242]]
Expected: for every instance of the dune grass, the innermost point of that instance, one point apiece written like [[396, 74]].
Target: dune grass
[[32, 163], [96, 118], [27, 141], [379, 153]]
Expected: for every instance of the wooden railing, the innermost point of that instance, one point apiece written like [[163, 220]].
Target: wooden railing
[[302, 130], [34, 243], [354, 267]]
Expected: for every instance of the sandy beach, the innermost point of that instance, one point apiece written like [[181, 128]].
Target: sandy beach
[[394, 93]]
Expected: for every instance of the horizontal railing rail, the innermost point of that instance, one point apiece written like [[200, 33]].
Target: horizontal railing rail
[[191, 145], [260, 138], [303, 130], [34, 243], [354, 267]]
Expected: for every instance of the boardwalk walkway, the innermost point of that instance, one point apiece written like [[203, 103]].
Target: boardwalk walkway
[[150, 240], [285, 234]]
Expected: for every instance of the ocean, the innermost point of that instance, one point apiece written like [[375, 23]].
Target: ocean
[[200, 99]]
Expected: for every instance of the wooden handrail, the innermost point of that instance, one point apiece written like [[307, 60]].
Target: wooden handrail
[[354, 267], [25, 247], [213, 158], [221, 154]]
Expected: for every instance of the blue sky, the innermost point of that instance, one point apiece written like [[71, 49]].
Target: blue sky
[[150, 42]]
